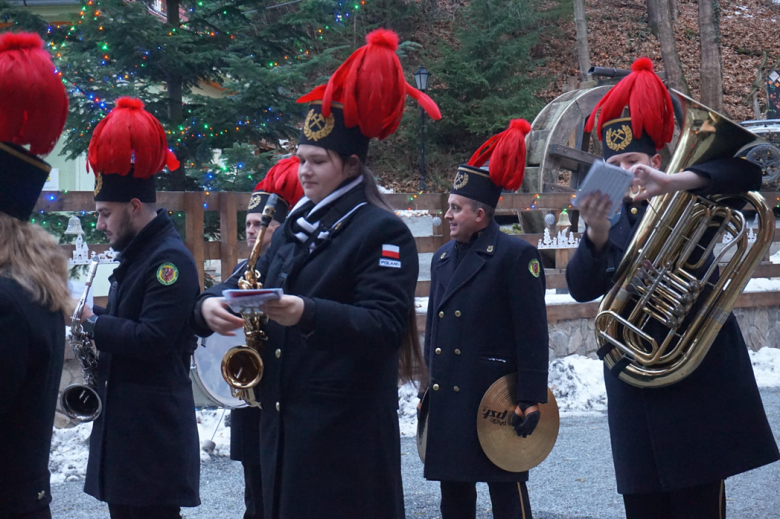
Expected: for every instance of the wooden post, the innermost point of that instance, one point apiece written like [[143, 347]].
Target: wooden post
[[193, 208], [228, 232], [445, 227]]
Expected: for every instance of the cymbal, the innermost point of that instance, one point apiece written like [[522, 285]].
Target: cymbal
[[497, 437], [422, 427]]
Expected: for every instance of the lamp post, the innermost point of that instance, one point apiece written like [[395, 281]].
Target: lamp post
[[421, 78]]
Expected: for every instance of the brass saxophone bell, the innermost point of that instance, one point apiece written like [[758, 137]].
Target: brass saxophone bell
[[242, 367]]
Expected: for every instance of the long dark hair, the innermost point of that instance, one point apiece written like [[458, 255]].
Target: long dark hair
[[411, 365]]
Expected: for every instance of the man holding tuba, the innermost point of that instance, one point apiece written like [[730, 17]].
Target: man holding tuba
[[33, 276], [672, 446], [143, 453], [212, 315], [486, 319]]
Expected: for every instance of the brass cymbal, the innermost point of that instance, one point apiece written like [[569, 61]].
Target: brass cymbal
[[497, 437], [422, 427]]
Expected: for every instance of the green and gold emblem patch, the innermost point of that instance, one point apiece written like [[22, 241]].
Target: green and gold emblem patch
[[534, 268], [167, 274]]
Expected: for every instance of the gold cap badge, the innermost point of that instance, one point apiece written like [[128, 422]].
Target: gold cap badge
[[618, 139], [317, 127]]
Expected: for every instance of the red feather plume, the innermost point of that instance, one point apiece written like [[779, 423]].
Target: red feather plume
[[506, 152], [33, 101], [130, 137], [371, 86], [648, 101], [282, 179]]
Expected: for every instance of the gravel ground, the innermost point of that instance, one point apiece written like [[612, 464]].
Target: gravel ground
[[575, 482]]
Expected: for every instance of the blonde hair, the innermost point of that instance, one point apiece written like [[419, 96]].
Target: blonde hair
[[30, 256]]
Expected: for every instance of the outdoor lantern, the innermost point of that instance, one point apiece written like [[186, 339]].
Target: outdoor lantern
[[421, 78]]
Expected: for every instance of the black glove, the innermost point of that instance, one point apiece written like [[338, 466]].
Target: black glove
[[524, 426]]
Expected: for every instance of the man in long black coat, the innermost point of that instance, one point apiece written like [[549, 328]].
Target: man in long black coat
[[673, 446], [486, 319], [144, 458], [281, 180]]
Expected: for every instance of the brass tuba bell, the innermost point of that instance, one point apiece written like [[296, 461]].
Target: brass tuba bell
[[664, 289]]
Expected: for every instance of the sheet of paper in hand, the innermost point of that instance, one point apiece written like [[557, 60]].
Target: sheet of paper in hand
[[249, 301], [609, 180]]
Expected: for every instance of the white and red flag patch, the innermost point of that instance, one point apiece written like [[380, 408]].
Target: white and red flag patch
[[391, 251], [390, 256]]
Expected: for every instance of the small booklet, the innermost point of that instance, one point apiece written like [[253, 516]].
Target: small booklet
[[248, 301], [609, 180]]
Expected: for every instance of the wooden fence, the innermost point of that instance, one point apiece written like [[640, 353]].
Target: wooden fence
[[228, 250]]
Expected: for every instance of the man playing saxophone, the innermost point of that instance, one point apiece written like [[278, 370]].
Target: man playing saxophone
[[143, 454], [212, 315], [672, 446]]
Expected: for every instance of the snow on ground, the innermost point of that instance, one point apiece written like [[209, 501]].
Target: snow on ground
[[69, 453], [766, 366], [407, 410], [577, 383], [775, 258], [70, 447]]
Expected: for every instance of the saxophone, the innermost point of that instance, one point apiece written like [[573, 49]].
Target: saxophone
[[81, 402], [242, 367]]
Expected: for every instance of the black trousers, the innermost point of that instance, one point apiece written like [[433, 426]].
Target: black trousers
[[143, 512], [253, 491], [701, 502], [41, 513], [459, 500]]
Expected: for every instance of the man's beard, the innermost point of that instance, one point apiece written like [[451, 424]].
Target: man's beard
[[124, 234]]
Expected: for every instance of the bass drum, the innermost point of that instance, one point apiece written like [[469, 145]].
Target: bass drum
[[208, 387]]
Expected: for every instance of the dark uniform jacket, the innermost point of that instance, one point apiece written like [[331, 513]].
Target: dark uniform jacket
[[31, 354], [244, 422], [486, 318], [330, 443], [144, 446], [707, 427]]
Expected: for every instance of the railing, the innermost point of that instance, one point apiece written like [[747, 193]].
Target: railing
[[228, 250]]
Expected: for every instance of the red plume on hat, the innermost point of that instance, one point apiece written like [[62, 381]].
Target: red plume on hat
[[648, 101], [33, 101], [130, 138], [282, 179], [371, 86], [506, 152]]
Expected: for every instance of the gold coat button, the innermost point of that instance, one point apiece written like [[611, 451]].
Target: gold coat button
[[441, 314], [457, 352], [456, 389], [436, 387], [457, 313], [278, 353], [438, 351], [278, 407], [634, 210]]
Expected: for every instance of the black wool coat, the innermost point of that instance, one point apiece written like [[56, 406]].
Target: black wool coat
[[144, 446], [329, 437], [707, 427], [486, 318], [32, 339]]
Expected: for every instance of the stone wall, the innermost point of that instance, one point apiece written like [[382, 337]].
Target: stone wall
[[760, 327]]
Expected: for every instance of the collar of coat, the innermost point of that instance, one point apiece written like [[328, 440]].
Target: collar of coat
[[451, 276]]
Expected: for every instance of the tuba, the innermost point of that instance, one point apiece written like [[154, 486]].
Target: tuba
[[242, 367], [667, 306], [81, 402]]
